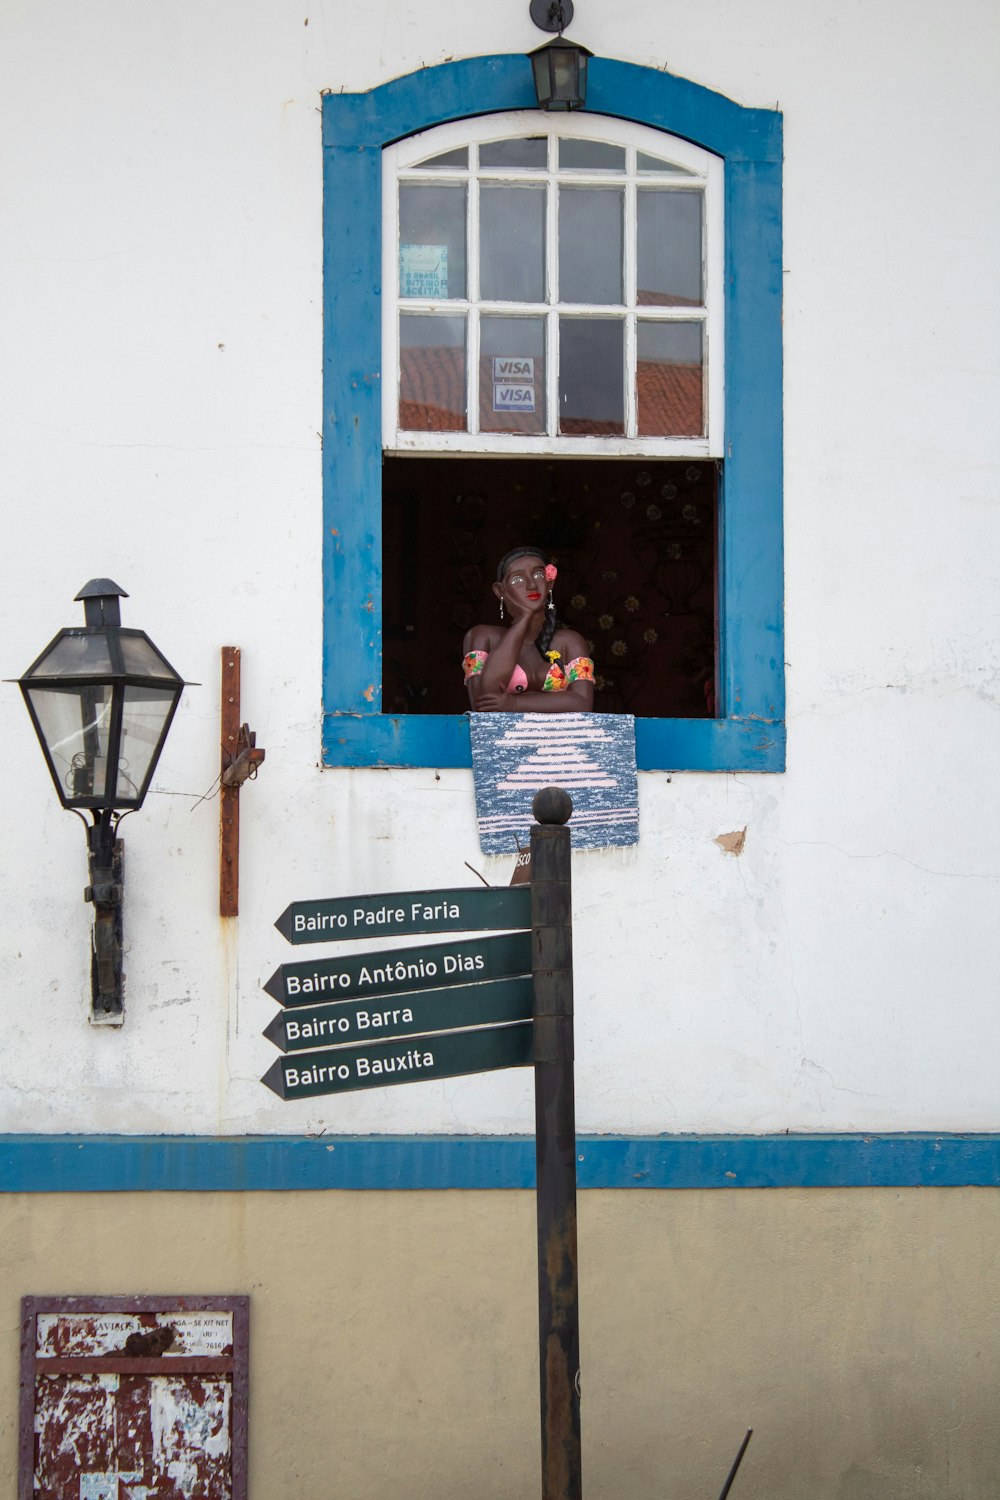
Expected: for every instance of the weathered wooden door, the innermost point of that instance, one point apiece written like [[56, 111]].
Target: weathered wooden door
[[133, 1398]]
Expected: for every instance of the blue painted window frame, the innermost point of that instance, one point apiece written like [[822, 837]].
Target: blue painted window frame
[[750, 735]]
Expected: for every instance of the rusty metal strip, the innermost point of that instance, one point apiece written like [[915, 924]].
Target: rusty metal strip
[[141, 1303], [229, 796], [26, 1444], [241, 1396], [110, 1364]]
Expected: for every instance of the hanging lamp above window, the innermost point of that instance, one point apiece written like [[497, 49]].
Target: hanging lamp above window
[[559, 67]]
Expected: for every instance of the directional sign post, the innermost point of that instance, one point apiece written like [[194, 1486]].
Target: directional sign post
[[440, 1010], [555, 1147]]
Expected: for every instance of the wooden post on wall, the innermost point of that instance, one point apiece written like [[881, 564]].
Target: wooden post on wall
[[240, 761], [229, 796]]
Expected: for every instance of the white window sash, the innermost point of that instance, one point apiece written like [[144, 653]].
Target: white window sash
[[702, 170]]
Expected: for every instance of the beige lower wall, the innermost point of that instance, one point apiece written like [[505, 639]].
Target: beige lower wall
[[393, 1335]]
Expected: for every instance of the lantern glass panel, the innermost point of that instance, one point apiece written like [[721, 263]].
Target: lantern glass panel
[[75, 654], [75, 726], [565, 73], [540, 68], [144, 718], [141, 658]]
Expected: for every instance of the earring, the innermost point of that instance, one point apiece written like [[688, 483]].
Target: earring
[[550, 606], [501, 609]]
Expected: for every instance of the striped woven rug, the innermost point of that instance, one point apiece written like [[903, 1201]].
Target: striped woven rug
[[592, 756]]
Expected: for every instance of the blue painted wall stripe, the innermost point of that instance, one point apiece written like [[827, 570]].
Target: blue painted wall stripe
[[89, 1164], [355, 128]]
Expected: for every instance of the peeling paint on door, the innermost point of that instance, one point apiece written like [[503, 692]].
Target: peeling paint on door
[[134, 1401]]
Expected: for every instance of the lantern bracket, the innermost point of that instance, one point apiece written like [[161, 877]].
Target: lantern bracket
[[106, 890], [551, 15]]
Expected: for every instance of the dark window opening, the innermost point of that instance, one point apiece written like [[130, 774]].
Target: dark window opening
[[636, 546]]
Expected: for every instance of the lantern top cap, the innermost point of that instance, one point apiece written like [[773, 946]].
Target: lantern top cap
[[562, 44], [101, 588]]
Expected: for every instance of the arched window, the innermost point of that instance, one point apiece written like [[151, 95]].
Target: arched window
[[552, 284], [569, 330]]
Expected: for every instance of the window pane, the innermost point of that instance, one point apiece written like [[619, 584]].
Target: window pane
[[512, 375], [591, 380], [457, 158], [512, 244], [431, 374], [530, 153], [590, 245], [431, 241], [597, 156], [645, 163], [669, 380], [669, 272]]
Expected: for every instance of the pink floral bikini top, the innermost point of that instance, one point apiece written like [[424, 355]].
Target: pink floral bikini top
[[580, 669]]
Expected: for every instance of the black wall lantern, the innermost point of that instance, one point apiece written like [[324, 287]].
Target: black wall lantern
[[560, 67], [101, 699]]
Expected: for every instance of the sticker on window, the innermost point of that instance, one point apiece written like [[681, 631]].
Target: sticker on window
[[513, 383], [423, 270]]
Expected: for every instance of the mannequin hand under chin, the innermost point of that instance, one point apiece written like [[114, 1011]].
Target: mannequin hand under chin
[[524, 609]]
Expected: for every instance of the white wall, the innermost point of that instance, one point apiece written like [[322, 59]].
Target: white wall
[[159, 418]]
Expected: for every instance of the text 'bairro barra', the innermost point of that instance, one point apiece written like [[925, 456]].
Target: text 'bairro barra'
[[494, 1003]]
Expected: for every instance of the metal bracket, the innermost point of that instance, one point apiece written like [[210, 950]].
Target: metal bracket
[[240, 761], [243, 765], [107, 870], [551, 15]]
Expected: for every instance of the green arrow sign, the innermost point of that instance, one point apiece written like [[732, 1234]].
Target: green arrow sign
[[404, 1015], [448, 1055], [471, 910], [372, 975]]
